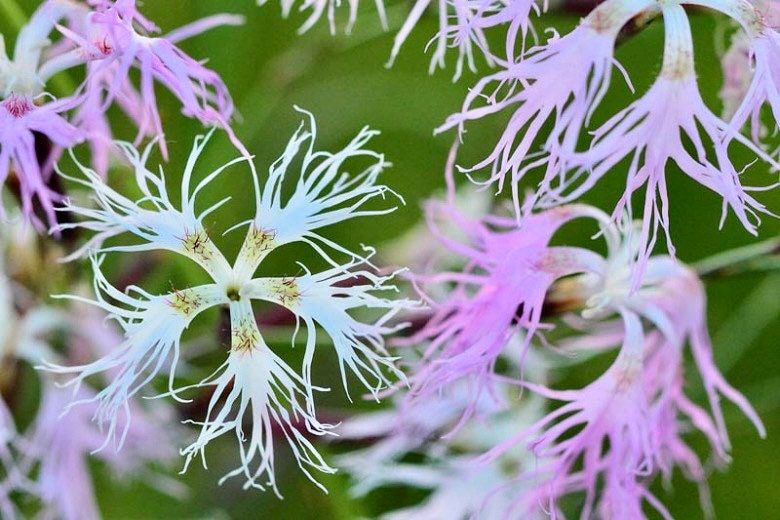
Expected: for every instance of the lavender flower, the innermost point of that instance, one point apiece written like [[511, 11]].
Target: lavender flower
[[254, 384], [463, 25], [62, 445], [111, 37], [459, 488], [19, 118], [533, 87], [764, 50], [508, 274], [655, 129]]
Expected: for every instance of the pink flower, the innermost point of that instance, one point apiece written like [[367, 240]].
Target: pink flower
[[114, 40], [627, 426], [63, 444], [459, 488], [49, 459], [607, 440], [463, 25], [534, 88], [764, 85], [757, 51], [19, 118], [502, 291], [655, 130]]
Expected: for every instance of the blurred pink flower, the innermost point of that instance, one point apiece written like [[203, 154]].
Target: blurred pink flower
[[113, 39], [502, 290], [610, 439], [61, 444], [20, 117]]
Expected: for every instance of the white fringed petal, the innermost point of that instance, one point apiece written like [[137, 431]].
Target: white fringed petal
[[324, 194], [153, 326], [255, 387], [326, 299], [154, 218]]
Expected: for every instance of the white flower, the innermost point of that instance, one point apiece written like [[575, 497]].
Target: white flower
[[254, 385]]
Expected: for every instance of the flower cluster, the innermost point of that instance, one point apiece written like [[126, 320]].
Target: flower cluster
[[482, 419], [528, 85], [670, 123], [605, 441], [106, 39], [254, 385]]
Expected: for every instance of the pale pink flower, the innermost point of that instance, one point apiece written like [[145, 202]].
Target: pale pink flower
[[628, 425], [737, 74], [459, 488], [114, 39], [49, 459], [501, 291], [756, 51], [535, 90], [609, 440], [62, 445], [463, 25], [655, 130]]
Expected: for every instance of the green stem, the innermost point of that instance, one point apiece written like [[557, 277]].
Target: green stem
[[764, 256]]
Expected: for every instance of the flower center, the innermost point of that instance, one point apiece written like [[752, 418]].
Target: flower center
[[104, 46], [18, 106], [233, 293]]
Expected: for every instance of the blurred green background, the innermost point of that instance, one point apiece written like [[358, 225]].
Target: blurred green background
[[343, 81]]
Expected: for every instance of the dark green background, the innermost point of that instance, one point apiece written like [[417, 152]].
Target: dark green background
[[344, 82]]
